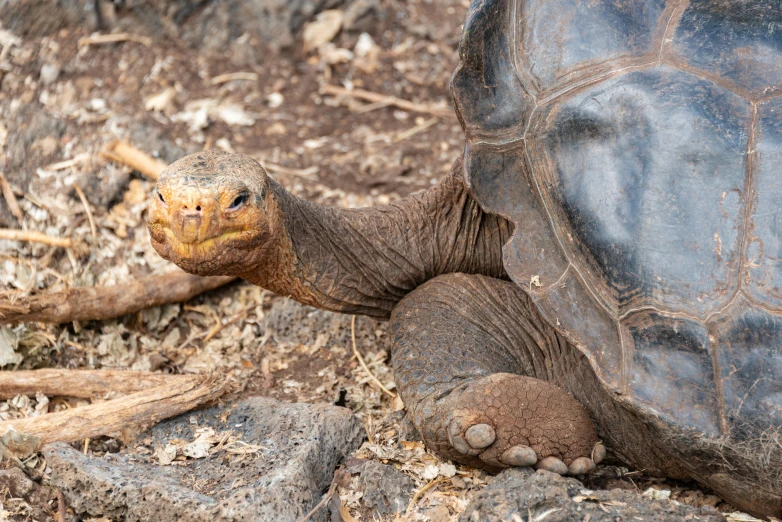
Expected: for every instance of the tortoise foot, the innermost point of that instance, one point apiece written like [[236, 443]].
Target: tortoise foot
[[507, 420]]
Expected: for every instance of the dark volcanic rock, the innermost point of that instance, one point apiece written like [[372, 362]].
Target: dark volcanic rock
[[547, 496], [386, 490], [15, 484], [302, 444]]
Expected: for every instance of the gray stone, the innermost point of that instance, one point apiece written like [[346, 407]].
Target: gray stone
[[302, 444], [386, 490], [543, 495], [15, 484], [49, 73]]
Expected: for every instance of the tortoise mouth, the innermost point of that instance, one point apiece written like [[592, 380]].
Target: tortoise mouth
[[166, 240], [207, 243]]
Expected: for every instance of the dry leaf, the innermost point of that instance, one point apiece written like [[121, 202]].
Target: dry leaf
[[321, 30], [657, 494], [162, 102]]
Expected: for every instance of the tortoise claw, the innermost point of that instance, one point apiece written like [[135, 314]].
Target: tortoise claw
[[581, 466], [521, 456], [480, 436], [598, 453], [552, 464]]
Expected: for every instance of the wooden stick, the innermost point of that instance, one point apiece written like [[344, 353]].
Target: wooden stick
[[125, 153], [34, 237], [114, 38], [143, 408], [10, 199], [229, 77], [409, 133], [84, 384], [86, 205], [106, 302], [374, 97]]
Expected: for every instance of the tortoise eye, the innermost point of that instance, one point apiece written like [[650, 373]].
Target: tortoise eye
[[240, 200], [160, 197]]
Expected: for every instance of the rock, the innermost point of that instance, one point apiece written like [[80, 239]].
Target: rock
[[386, 491], [15, 484], [49, 73], [301, 445], [522, 493], [361, 15], [438, 514]]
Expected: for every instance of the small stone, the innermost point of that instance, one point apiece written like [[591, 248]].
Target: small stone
[[275, 99], [49, 73], [386, 490]]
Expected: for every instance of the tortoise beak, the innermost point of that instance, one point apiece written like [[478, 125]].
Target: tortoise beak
[[192, 217]]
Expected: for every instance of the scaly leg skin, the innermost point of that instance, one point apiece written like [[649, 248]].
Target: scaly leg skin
[[461, 367]]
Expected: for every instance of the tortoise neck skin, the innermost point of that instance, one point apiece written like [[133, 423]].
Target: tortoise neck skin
[[221, 214]]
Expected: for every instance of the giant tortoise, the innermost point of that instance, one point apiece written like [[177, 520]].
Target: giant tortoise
[[607, 252]]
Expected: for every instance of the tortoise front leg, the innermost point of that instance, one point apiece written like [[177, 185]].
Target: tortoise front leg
[[467, 369]]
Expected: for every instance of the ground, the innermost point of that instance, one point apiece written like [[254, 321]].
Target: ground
[[63, 100]]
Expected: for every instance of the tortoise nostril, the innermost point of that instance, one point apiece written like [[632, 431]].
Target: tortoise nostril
[[198, 208]]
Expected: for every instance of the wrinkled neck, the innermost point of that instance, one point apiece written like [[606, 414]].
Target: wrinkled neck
[[364, 261]]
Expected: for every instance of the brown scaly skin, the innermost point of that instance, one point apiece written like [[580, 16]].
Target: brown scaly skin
[[354, 261], [219, 214]]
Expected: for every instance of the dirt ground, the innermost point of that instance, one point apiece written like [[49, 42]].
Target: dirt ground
[[63, 100]]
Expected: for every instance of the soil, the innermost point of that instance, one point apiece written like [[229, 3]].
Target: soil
[[62, 102]]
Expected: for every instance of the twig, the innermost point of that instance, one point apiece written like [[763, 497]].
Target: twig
[[125, 153], [106, 302], [374, 106], [229, 77], [423, 490], [326, 498], [374, 97], [143, 408], [10, 198], [279, 169], [34, 237], [414, 130], [60, 506], [83, 384], [220, 325], [66, 164], [86, 204], [99, 39], [361, 359]]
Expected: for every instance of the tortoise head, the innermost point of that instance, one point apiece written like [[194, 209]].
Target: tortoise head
[[208, 214]]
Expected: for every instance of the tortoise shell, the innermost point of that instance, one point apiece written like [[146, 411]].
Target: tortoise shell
[[637, 147]]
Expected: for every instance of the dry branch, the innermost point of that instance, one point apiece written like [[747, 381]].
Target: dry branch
[[34, 237], [84, 384], [229, 77], [99, 39], [10, 198], [374, 97], [140, 409], [127, 154], [86, 205], [106, 302]]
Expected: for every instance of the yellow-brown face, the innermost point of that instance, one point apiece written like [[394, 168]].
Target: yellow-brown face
[[207, 213]]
